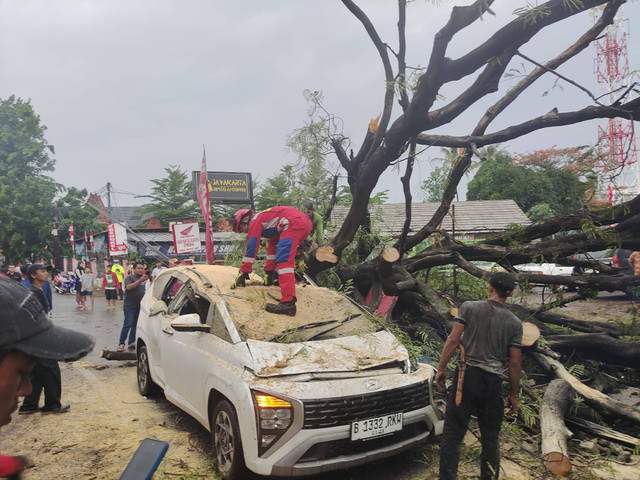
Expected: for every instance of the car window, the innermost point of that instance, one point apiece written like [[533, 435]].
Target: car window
[[171, 290], [186, 301]]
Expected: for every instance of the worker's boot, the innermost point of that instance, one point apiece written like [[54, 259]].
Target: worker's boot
[[282, 308]]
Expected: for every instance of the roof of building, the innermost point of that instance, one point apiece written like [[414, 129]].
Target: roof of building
[[480, 216]]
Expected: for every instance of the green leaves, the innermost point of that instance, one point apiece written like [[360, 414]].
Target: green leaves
[[26, 193]]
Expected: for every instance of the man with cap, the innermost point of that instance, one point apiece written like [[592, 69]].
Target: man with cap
[[46, 287], [46, 372], [491, 344], [26, 333], [119, 271]]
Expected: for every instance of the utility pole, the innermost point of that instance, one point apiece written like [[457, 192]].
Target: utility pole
[[56, 239]]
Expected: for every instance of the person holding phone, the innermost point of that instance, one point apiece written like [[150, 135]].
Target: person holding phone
[[134, 290]]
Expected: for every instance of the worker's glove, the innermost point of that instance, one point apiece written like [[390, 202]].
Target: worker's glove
[[270, 278], [240, 280]]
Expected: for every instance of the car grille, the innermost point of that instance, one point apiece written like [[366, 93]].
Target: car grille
[[345, 447], [344, 410]]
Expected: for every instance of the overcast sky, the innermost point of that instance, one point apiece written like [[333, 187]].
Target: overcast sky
[[129, 87]]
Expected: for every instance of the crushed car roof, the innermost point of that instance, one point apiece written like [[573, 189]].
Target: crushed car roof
[[322, 313]]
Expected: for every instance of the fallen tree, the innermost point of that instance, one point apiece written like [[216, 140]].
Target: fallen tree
[[430, 101]]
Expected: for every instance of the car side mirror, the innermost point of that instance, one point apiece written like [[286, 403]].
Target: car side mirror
[[190, 323], [157, 307]]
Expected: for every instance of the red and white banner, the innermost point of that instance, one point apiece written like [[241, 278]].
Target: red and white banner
[[117, 239], [186, 237], [72, 239], [205, 206], [91, 240]]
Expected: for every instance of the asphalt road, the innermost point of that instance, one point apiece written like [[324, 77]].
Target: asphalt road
[[102, 323]]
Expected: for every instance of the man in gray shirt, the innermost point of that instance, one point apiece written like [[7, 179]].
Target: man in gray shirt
[[134, 291], [492, 338]]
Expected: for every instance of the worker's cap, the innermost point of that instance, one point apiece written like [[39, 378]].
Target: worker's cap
[[116, 261], [503, 281], [25, 327], [34, 267], [308, 206]]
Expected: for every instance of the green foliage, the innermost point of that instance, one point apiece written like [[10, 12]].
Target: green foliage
[[172, 197], [560, 189], [444, 280], [26, 193], [530, 14], [540, 211]]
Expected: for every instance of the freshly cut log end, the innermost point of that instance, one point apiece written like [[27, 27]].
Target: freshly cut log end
[[453, 311], [325, 254], [556, 463], [530, 334], [390, 254], [113, 355]]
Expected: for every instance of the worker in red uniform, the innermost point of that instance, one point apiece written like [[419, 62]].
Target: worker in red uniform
[[284, 228]]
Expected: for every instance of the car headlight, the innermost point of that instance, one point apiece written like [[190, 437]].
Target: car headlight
[[275, 416]]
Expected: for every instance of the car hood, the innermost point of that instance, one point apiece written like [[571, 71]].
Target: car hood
[[345, 354]]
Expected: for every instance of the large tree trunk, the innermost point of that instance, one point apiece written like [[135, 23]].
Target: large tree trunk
[[598, 347], [593, 398], [555, 402]]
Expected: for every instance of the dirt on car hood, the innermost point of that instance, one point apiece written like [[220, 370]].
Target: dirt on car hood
[[346, 354]]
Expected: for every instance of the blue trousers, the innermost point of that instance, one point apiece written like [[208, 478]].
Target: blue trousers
[[129, 326]]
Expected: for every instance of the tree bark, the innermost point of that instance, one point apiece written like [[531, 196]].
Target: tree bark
[[555, 402], [593, 398], [113, 355], [597, 346]]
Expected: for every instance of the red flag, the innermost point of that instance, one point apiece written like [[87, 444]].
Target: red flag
[[72, 239], [205, 206], [86, 249]]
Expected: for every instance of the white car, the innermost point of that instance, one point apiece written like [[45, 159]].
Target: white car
[[289, 396], [544, 269]]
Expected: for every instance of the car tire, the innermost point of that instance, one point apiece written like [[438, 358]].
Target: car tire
[[146, 385], [227, 443]]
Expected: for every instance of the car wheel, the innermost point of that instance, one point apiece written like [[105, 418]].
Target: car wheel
[[226, 442], [146, 386]]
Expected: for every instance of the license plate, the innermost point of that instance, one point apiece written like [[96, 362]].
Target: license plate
[[376, 427]]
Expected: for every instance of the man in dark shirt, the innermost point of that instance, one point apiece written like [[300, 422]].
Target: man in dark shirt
[[46, 372], [492, 341], [134, 291], [11, 273]]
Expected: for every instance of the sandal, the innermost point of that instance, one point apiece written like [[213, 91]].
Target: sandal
[[120, 348]]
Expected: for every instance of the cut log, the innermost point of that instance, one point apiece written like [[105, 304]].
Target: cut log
[[602, 431], [390, 255], [530, 334], [325, 254], [597, 346], [593, 398], [113, 355], [555, 456]]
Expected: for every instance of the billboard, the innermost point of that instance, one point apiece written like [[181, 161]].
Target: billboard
[[226, 187], [186, 237]]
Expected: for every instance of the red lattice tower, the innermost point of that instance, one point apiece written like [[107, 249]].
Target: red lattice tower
[[617, 142]]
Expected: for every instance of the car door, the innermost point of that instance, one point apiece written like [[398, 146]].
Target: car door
[[183, 352]]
